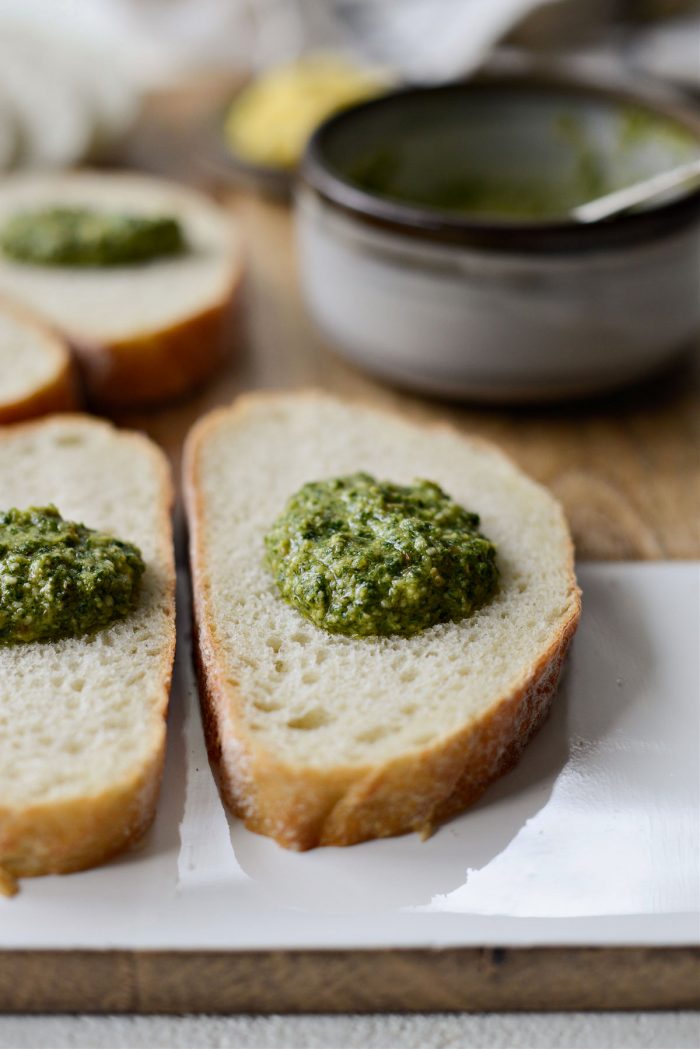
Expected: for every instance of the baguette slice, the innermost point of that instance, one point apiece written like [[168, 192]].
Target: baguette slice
[[320, 739], [36, 374], [142, 333], [82, 721]]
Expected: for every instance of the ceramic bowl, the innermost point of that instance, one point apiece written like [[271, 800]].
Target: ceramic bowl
[[504, 301]]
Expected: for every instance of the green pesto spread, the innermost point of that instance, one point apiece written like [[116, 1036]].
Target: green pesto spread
[[362, 557], [60, 579], [59, 236]]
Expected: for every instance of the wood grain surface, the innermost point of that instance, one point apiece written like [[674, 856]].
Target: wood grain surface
[[354, 981], [627, 470]]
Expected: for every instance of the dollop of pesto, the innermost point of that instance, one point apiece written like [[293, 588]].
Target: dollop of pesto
[[60, 579], [362, 557], [59, 236]]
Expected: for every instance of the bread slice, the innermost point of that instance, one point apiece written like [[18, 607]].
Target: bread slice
[[36, 373], [82, 721], [142, 333], [321, 739]]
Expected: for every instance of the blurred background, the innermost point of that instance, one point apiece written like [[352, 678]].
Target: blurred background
[[73, 73], [225, 94]]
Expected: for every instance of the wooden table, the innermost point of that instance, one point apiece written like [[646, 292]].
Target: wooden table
[[626, 467]]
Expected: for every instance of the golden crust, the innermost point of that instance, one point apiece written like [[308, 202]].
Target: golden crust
[[59, 393], [302, 808], [159, 365], [164, 363], [84, 832], [65, 836]]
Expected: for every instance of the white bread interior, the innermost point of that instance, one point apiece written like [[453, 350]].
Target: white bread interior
[[82, 721], [286, 700], [106, 305], [35, 366]]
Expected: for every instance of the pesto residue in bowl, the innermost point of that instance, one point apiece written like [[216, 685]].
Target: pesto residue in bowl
[[60, 579], [361, 557], [62, 236], [469, 195], [468, 164]]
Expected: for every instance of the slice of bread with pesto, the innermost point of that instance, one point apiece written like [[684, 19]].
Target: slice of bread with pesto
[[82, 718], [36, 372], [320, 737], [140, 275]]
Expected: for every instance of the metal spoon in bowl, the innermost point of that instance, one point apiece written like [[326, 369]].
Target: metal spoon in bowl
[[685, 175]]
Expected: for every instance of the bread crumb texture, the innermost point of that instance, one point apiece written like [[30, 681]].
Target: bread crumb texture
[[82, 720], [324, 699], [285, 693]]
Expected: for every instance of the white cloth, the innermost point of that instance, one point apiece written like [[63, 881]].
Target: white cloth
[[679, 1030], [159, 40]]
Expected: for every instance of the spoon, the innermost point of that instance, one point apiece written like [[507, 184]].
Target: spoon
[[639, 193]]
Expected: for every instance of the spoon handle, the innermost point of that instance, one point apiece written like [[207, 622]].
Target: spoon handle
[[639, 193]]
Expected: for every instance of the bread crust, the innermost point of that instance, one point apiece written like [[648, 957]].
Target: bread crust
[[303, 807], [160, 365], [84, 832], [59, 393], [76, 833]]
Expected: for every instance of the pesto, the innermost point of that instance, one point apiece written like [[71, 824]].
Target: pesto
[[641, 128], [397, 170], [467, 195], [361, 557], [60, 579], [60, 236]]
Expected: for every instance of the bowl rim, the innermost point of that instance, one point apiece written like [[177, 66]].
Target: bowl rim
[[421, 222]]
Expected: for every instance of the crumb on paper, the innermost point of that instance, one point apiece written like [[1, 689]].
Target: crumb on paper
[[425, 831], [8, 883]]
